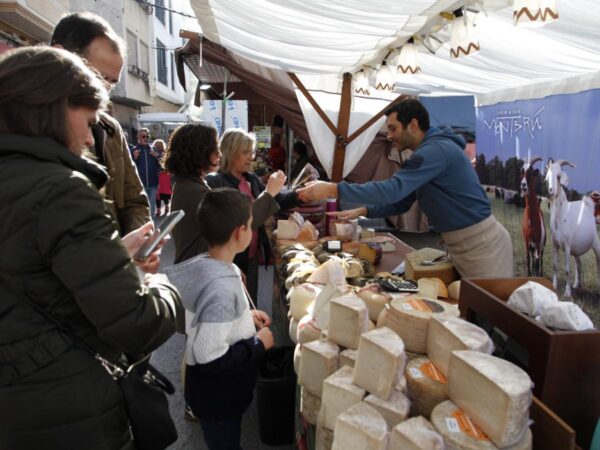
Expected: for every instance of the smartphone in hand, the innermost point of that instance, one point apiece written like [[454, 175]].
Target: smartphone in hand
[[166, 226]]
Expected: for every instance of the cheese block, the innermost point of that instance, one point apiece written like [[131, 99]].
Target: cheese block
[[360, 427], [416, 433], [319, 360], [339, 394], [352, 268], [301, 297], [413, 269], [308, 330], [460, 432], [446, 334], [428, 288], [287, 229], [348, 357], [426, 386], [323, 438], [442, 289], [409, 317], [307, 232], [310, 405], [348, 319], [393, 410], [374, 298], [454, 290], [379, 362], [297, 358], [293, 330], [368, 253], [495, 393]]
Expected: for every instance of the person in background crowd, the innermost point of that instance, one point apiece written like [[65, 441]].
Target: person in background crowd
[[225, 338], [237, 147], [60, 253], [300, 157], [147, 159], [440, 176], [92, 38], [277, 155], [164, 182]]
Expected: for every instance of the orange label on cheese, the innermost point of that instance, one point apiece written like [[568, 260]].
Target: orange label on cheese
[[468, 427], [432, 372]]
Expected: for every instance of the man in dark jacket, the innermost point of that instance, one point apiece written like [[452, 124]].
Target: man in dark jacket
[[91, 37], [147, 160]]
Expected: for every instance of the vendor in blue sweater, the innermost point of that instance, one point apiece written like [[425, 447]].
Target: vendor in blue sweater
[[441, 178], [225, 339]]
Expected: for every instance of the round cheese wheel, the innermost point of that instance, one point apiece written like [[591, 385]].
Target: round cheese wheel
[[461, 433], [293, 331], [375, 301], [409, 317], [426, 386], [454, 290]]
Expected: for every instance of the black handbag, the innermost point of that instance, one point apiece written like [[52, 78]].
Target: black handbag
[[144, 391]]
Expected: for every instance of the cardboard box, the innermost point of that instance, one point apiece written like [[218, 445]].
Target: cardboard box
[[564, 365]]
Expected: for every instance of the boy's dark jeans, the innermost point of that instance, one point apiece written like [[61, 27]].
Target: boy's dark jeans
[[223, 434]]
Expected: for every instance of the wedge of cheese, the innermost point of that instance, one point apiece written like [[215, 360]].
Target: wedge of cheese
[[323, 438], [339, 394], [301, 297], [416, 433], [348, 319], [287, 229], [319, 360], [495, 393], [380, 362], [409, 317], [461, 433], [446, 334], [348, 357], [426, 386], [310, 405], [360, 427], [308, 330], [394, 410], [454, 290]]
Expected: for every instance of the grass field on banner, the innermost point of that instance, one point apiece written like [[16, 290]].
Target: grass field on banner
[[587, 296]]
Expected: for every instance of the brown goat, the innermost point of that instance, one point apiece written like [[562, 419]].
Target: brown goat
[[534, 230]]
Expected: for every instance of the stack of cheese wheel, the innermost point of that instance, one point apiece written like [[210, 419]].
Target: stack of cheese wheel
[[461, 433], [409, 317]]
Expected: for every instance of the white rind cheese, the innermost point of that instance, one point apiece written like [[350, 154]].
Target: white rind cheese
[[310, 405], [380, 362], [360, 427], [323, 438], [339, 394], [447, 333], [374, 300], [319, 360], [348, 319], [495, 393], [348, 357], [426, 386], [308, 330], [409, 317], [461, 433], [297, 358], [301, 297], [415, 433], [394, 410], [293, 331]]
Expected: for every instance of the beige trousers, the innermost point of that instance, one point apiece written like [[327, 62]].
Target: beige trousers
[[483, 250]]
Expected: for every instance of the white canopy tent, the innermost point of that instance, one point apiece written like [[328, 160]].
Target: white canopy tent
[[320, 40]]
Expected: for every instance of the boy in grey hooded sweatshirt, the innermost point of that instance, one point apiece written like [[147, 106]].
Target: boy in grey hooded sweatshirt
[[223, 344]]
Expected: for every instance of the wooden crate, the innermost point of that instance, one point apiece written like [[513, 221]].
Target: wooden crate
[[564, 365]]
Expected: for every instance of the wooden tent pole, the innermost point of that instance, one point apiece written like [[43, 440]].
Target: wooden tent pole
[[313, 102], [374, 119], [337, 172]]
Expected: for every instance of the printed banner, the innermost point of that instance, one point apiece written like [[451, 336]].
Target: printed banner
[[557, 127], [236, 114]]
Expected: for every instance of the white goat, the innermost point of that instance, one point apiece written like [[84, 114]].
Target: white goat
[[572, 224]]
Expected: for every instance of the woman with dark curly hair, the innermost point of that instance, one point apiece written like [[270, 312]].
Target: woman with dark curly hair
[[193, 151]]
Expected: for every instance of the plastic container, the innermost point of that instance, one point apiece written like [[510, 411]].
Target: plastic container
[[276, 396]]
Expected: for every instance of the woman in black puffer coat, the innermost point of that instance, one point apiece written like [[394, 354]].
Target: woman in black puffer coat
[[60, 250]]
